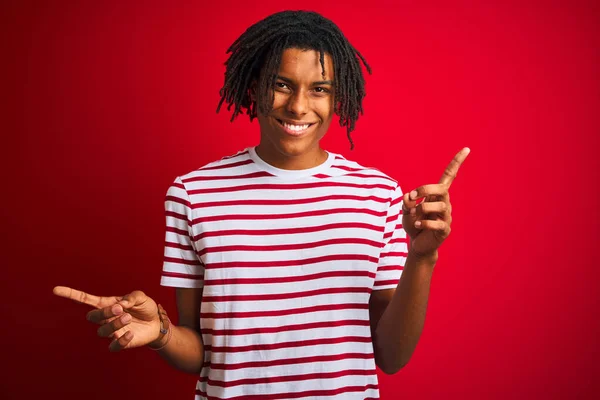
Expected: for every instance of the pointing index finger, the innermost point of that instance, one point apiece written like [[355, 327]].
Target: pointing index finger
[[452, 168], [77, 295]]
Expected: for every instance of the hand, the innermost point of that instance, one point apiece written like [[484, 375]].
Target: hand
[[428, 222], [130, 321]]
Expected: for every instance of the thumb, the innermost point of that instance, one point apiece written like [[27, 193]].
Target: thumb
[[407, 204], [132, 299]]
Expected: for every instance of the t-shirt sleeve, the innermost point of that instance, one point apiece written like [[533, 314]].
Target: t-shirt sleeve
[[393, 255], [181, 266]]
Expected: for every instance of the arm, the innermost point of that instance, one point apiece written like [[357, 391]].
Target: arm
[[398, 315], [182, 348], [185, 350], [132, 321]]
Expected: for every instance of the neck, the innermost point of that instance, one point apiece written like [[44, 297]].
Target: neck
[[305, 160]]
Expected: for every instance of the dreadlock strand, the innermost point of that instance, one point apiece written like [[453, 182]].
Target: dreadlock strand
[[255, 57]]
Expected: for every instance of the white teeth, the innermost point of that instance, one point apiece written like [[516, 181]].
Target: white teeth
[[296, 128]]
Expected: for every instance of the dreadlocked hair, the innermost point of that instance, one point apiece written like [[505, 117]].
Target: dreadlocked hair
[[256, 55]]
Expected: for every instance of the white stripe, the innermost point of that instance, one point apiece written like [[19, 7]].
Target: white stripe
[[288, 352]]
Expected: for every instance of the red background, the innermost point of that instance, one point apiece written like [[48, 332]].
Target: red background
[[107, 102]]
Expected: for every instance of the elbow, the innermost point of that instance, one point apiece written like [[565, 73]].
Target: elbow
[[392, 369], [391, 357], [391, 365]]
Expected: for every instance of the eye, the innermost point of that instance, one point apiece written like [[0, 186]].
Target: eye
[[320, 89], [281, 85]]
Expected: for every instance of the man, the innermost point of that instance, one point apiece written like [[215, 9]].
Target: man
[[287, 258]]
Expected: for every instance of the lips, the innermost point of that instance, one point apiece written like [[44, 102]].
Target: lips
[[295, 129]]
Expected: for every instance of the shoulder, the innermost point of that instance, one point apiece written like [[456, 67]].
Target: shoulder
[[226, 166], [234, 165], [352, 168]]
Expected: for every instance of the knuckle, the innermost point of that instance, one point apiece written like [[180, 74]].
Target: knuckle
[[123, 340], [138, 294]]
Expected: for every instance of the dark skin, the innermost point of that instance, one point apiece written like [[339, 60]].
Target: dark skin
[[398, 315], [303, 96]]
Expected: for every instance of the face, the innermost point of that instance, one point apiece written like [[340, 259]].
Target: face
[[302, 111]]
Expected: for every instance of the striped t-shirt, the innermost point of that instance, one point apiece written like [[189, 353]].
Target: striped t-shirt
[[287, 260]]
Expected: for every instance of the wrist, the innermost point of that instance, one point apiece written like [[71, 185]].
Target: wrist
[[160, 342], [429, 258], [165, 331]]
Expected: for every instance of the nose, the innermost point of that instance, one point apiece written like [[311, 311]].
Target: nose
[[298, 103]]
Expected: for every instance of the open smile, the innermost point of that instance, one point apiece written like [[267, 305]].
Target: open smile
[[294, 128]]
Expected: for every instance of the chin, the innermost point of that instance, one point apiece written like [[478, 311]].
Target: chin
[[295, 148]]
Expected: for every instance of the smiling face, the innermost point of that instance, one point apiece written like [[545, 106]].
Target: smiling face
[[301, 114]]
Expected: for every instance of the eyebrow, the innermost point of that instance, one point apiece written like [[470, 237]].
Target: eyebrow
[[329, 82]]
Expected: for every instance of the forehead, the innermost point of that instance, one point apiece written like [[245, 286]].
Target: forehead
[[304, 65]]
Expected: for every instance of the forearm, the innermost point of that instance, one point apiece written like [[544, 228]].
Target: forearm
[[400, 326], [184, 350]]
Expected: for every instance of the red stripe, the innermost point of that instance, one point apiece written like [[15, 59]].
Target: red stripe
[[372, 176], [393, 254], [179, 246], [290, 378], [239, 154], [286, 279], [390, 282], [285, 296], [396, 201], [286, 328], [177, 200], [293, 395], [296, 186], [275, 202], [178, 231], [286, 345], [304, 214], [398, 240], [393, 218], [290, 361], [181, 261], [298, 246], [293, 263], [391, 268], [391, 233], [321, 176], [345, 168], [293, 311], [290, 231], [181, 275], [175, 215], [261, 174], [225, 166]]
